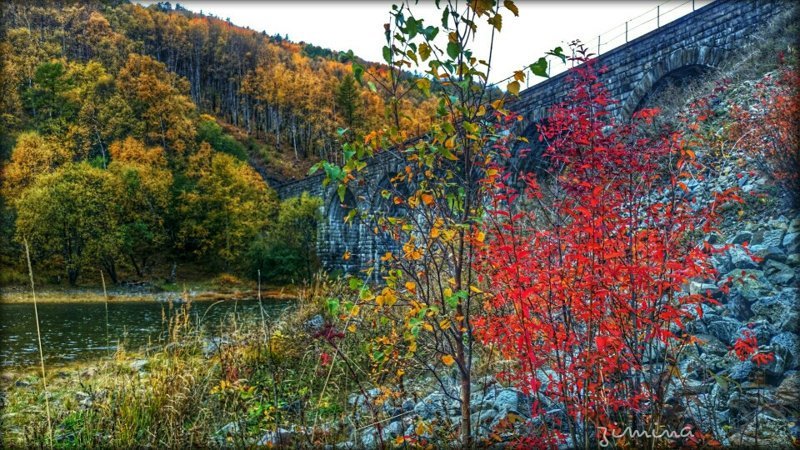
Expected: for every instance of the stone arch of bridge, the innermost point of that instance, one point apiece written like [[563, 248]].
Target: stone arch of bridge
[[680, 65], [382, 204], [342, 238]]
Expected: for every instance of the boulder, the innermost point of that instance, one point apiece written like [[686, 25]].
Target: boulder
[[788, 392], [512, 400], [764, 430], [315, 323], [761, 329], [710, 344], [393, 430], [791, 242], [793, 260], [768, 253], [724, 329], [430, 406], [772, 238], [139, 365], [787, 345], [712, 290], [281, 438], [779, 274], [739, 306], [741, 371], [751, 284], [742, 237], [740, 259], [780, 309]]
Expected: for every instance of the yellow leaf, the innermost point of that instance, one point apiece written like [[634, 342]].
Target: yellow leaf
[[450, 143], [352, 328], [513, 88], [411, 251], [427, 199], [434, 233], [475, 290], [346, 255], [444, 324], [480, 236], [411, 286], [427, 327], [448, 360], [386, 256], [420, 429], [447, 292], [356, 309], [481, 110]]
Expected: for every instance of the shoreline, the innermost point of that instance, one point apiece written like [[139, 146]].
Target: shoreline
[[14, 295]]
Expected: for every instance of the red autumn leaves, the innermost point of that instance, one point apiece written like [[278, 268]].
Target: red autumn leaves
[[586, 267]]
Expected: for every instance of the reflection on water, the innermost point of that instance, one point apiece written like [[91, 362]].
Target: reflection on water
[[72, 331]]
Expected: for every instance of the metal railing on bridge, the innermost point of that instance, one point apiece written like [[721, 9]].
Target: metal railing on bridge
[[621, 34]]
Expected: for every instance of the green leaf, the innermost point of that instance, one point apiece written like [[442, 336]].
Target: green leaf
[[355, 283], [453, 300], [332, 171], [453, 49], [333, 305], [387, 54], [445, 17], [558, 52], [412, 27], [513, 88], [358, 72], [430, 32], [539, 68]]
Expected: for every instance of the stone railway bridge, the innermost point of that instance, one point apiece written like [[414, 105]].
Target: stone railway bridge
[[685, 48]]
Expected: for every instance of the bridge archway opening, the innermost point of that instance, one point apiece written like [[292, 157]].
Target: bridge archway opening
[[671, 91]]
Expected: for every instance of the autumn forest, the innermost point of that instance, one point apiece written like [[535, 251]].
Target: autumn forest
[[601, 276]]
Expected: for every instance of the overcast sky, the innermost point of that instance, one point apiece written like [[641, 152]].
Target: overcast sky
[[541, 26]]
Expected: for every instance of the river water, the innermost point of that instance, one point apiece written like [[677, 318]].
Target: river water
[[77, 331]]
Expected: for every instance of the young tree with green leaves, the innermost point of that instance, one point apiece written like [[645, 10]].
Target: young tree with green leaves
[[431, 292]]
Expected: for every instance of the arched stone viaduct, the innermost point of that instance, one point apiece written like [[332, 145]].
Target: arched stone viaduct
[[699, 40]]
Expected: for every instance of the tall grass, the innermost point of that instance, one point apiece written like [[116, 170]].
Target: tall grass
[[105, 303], [39, 340]]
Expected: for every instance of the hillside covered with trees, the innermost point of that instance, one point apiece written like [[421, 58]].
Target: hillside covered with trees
[[171, 125]]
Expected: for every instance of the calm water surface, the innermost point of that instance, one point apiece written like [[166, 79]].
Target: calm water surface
[[76, 331]]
